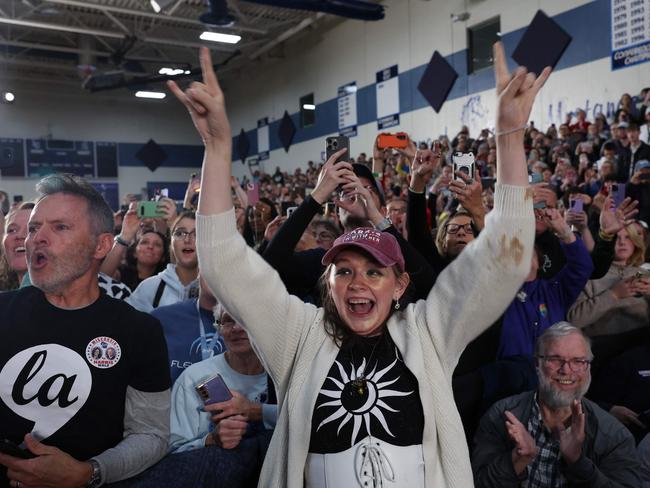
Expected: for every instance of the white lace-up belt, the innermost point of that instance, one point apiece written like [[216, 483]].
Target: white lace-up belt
[[370, 463]]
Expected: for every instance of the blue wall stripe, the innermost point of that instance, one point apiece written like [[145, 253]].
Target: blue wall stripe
[[588, 24]]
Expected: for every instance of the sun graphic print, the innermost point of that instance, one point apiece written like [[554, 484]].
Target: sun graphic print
[[357, 398]]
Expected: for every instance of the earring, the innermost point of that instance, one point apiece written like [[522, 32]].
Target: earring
[[396, 305]]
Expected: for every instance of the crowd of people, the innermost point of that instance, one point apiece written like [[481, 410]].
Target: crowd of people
[[366, 321]]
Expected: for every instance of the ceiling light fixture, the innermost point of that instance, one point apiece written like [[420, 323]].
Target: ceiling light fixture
[[8, 97], [160, 5], [309, 106], [219, 37], [150, 94], [171, 71]]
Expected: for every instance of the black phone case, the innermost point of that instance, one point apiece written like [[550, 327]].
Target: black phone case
[[333, 144], [12, 449]]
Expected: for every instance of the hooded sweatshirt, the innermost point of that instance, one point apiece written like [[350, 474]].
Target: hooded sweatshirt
[[174, 291]]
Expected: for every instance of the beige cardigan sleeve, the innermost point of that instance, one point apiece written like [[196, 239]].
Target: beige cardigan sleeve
[[252, 292], [476, 288]]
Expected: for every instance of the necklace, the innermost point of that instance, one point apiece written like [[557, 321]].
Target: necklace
[[359, 384]]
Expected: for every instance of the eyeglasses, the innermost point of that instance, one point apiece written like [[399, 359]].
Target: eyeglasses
[[575, 364], [225, 325], [398, 210], [183, 234], [323, 236], [454, 228]]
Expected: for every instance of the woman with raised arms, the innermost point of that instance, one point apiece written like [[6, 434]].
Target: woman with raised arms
[[364, 385]]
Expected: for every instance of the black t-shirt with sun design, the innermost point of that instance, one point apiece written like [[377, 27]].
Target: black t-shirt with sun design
[[386, 405]]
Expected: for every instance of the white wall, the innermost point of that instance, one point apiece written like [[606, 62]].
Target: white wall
[[412, 30], [318, 63]]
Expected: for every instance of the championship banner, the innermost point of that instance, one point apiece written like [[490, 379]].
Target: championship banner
[[347, 105], [630, 32], [263, 138], [387, 89]]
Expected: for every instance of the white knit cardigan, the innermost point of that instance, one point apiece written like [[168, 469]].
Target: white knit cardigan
[[290, 338]]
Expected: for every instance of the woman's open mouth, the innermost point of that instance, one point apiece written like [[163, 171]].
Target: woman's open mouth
[[19, 250], [360, 306]]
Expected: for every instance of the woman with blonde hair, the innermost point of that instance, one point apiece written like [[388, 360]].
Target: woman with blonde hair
[[13, 264], [619, 301]]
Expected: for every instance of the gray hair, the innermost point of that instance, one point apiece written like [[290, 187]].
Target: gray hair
[[557, 330], [100, 214]]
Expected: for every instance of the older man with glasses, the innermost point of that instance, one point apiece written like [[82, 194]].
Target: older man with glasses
[[554, 437]]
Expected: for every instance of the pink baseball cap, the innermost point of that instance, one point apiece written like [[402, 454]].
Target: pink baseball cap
[[380, 245]]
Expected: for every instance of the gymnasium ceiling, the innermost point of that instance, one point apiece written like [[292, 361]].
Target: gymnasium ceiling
[[107, 44]]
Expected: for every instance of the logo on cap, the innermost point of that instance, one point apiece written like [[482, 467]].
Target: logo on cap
[[362, 234]]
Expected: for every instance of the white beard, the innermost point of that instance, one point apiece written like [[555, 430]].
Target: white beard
[[556, 399]]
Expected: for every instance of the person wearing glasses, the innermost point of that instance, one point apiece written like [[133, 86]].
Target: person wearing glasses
[[335, 428], [222, 424], [235, 432], [179, 280], [553, 436], [454, 234], [360, 203], [396, 212], [324, 232]]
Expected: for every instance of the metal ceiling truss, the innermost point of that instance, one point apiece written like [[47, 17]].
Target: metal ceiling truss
[[69, 40]]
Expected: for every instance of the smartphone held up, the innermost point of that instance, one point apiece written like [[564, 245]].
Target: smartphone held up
[[335, 144]]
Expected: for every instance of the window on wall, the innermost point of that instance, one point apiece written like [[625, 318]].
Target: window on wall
[[480, 39], [307, 111]]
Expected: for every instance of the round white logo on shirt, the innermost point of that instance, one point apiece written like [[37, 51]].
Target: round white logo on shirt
[[47, 384], [103, 352]]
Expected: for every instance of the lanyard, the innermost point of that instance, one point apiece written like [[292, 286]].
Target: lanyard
[[207, 348]]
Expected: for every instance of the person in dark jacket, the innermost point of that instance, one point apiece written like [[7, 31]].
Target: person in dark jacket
[[553, 436], [361, 208]]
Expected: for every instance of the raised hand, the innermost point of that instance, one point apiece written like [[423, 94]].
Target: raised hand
[[579, 219], [167, 208], [571, 440], [130, 223], [273, 227], [525, 449], [611, 221], [515, 92], [424, 163], [469, 192], [358, 201], [558, 225], [331, 176], [206, 104]]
